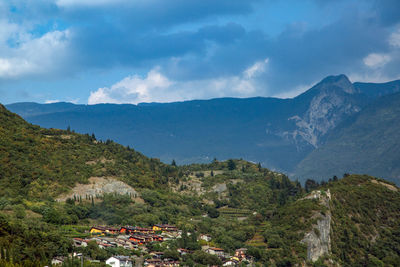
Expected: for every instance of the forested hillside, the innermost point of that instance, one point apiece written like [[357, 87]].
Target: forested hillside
[[238, 204], [38, 162]]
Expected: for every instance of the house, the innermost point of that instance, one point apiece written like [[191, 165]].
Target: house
[[183, 251], [100, 230], [113, 231], [241, 253], [104, 246], [161, 263], [142, 230], [138, 239], [165, 228], [156, 254], [206, 238], [158, 238], [215, 251], [170, 263], [128, 230], [119, 261], [125, 230], [97, 230], [57, 261], [125, 243], [153, 262], [231, 262], [79, 242]]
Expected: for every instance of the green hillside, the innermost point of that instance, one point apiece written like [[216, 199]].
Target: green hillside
[[365, 221], [237, 203], [369, 143], [39, 163]]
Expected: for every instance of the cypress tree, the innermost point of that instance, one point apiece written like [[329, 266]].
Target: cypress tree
[[7, 255]]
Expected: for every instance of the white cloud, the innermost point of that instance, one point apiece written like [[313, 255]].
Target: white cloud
[[30, 54], [257, 68], [295, 92], [372, 77], [13, 67], [394, 39], [376, 60], [133, 89], [67, 3], [51, 101], [156, 87]]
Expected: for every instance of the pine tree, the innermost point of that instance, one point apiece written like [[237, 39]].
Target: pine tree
[[231, 165]]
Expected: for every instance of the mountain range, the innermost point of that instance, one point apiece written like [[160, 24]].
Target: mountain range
[[287, 135], [56, 184]]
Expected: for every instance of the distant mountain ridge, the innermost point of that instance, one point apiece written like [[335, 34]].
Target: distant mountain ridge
[[368, 142], [279, 133], [353, 221]]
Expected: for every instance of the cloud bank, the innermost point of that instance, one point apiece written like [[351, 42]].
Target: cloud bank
[[156, 87], [178, 50]]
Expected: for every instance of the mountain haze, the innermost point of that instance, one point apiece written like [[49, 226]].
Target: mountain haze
[[279, 133]]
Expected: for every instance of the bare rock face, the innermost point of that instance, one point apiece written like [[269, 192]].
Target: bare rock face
[[99, 186], [331, 102], [318, 240]]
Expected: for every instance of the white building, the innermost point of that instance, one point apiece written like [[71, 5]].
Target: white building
[[205, 237], [119, 261], [215, 251]]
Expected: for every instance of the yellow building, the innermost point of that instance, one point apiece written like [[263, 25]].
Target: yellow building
[[157, 228], [97, 230]]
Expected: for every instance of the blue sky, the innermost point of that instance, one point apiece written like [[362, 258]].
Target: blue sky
[[131, 51]]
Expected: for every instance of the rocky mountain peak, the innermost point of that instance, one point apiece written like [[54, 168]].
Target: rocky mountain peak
[[336, 82], [329, 102]]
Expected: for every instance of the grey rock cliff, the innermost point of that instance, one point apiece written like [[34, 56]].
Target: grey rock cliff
[[331, 102], [318, 240]]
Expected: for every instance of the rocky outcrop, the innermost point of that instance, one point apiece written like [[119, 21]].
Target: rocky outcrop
[[99, 186], [318, 240], [331, 102]]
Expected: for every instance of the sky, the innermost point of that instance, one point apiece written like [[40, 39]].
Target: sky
[[132, 51]]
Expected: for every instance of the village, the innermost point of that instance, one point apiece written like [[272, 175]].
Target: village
[[139, 239]]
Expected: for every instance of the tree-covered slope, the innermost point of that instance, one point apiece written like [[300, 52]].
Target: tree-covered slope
[[365, 221], [38, 163], [352, 221], [367, 143]]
